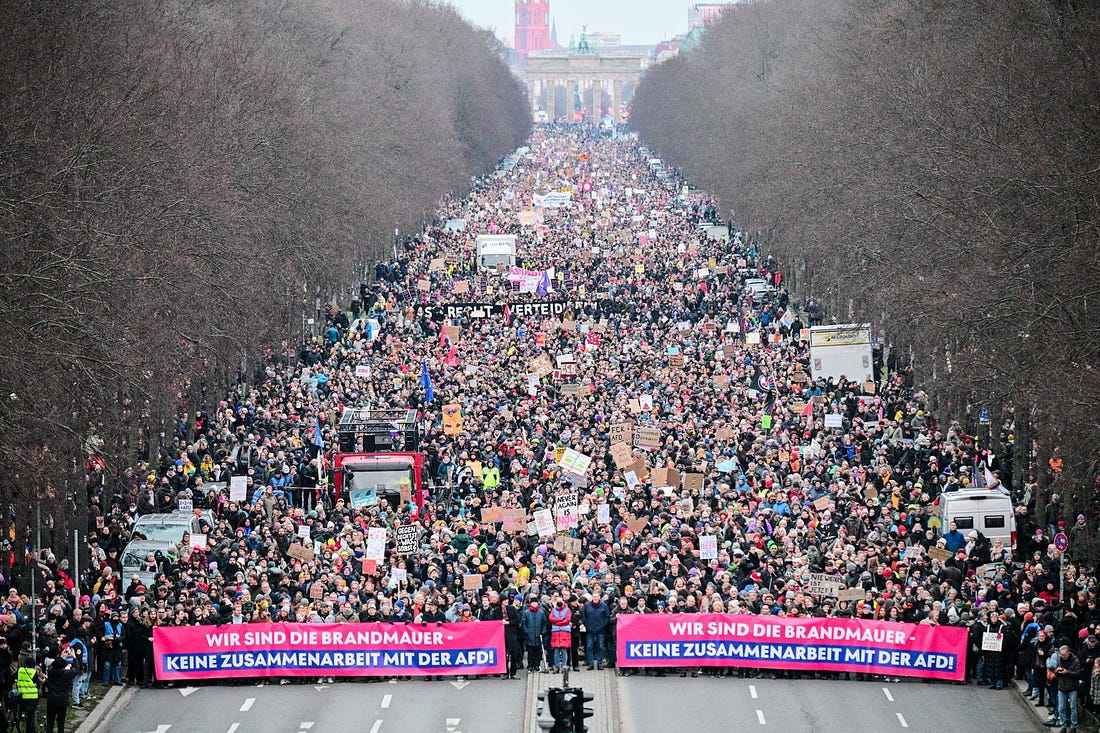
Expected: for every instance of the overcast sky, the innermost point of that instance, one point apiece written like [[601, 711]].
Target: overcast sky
[[637, 21]]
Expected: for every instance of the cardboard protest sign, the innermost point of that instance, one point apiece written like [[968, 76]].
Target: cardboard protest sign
[[454, 333], [647, 438], [513, 520], [423, 285], [725, 433], [729, 350], [408, 539], [404, 487], [676, 361], [660, 477], [317, 591], [693, 481], [622, 456], [641, 468], [564, 543], [238, 488], [437, 264], [914, 552], [637, 524], [574, 389], [620, 432], [708, 547], [452, 419], [490, 514], [540, 366], [822, 503], [472, 581], [851, 594], [298, 552], [461, 287], [938, 553]]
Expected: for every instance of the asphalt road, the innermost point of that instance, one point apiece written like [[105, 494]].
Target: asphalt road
[[710, 705], [417, 706], [644, 705]]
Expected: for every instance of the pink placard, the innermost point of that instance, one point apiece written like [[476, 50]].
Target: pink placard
[[338, 650], [771, 642]]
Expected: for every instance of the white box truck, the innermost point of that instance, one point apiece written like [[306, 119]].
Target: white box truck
[[495, 249], [842, 351]]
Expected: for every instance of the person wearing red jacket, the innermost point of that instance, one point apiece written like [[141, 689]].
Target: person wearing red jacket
[[561, 634]]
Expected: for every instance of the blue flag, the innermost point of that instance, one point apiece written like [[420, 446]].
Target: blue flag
[[426, 383], [318, 439]]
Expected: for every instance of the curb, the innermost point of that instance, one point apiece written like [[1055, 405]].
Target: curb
[[115, 700]]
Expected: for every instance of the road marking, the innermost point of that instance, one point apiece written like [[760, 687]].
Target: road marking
[[452, 723], [248, 704], [376, 726], [752, 691], [386, 701], [459, 684], [162, 728], [306, 724], [320, 687], [233, 728], [886, 691], [185, 691], [760, 717], [901, 719]]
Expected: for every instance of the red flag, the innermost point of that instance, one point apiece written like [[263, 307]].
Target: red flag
[[451, 359]]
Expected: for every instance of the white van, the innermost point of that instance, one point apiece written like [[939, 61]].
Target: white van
[[989, 511]]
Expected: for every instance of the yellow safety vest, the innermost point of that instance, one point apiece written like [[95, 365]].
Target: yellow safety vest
[[26, 684]]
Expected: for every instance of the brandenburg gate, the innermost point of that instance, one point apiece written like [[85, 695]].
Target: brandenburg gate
[[590, 72]]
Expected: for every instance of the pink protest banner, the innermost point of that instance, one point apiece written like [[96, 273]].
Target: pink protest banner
[[338, 650], [771, 642]]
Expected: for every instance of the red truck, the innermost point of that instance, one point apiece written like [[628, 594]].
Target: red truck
[[379, 458]]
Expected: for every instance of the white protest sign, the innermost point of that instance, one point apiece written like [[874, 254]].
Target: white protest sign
[[833, 420], [603, 513], [376, 544], [186, 505], [363, 370], [303, 531], [544, 523], [825, 585], [992, 642], [238, 488], [708, 547], [574, 462], [198, 541]]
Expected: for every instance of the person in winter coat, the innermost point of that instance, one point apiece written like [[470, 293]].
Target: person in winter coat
[[1065, 678], [994, 659], [59, 688], [596, 617], [513, 636], [1044, 647], [535, 624], [561, 632]]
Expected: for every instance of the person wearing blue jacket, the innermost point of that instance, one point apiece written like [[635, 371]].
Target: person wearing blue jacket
[[535, 625], [596, 616]]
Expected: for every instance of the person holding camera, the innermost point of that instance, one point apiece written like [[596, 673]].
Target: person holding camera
[[59, 688]]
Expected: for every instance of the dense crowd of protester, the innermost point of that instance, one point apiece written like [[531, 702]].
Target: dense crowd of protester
[[657, 324]]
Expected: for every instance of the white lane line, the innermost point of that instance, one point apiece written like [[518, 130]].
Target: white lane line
[[752, 691], [248, 704], [377, 724], [886, 691], [233, 728], [306, 724], [386, 701], [760, 717], [901, 719]]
